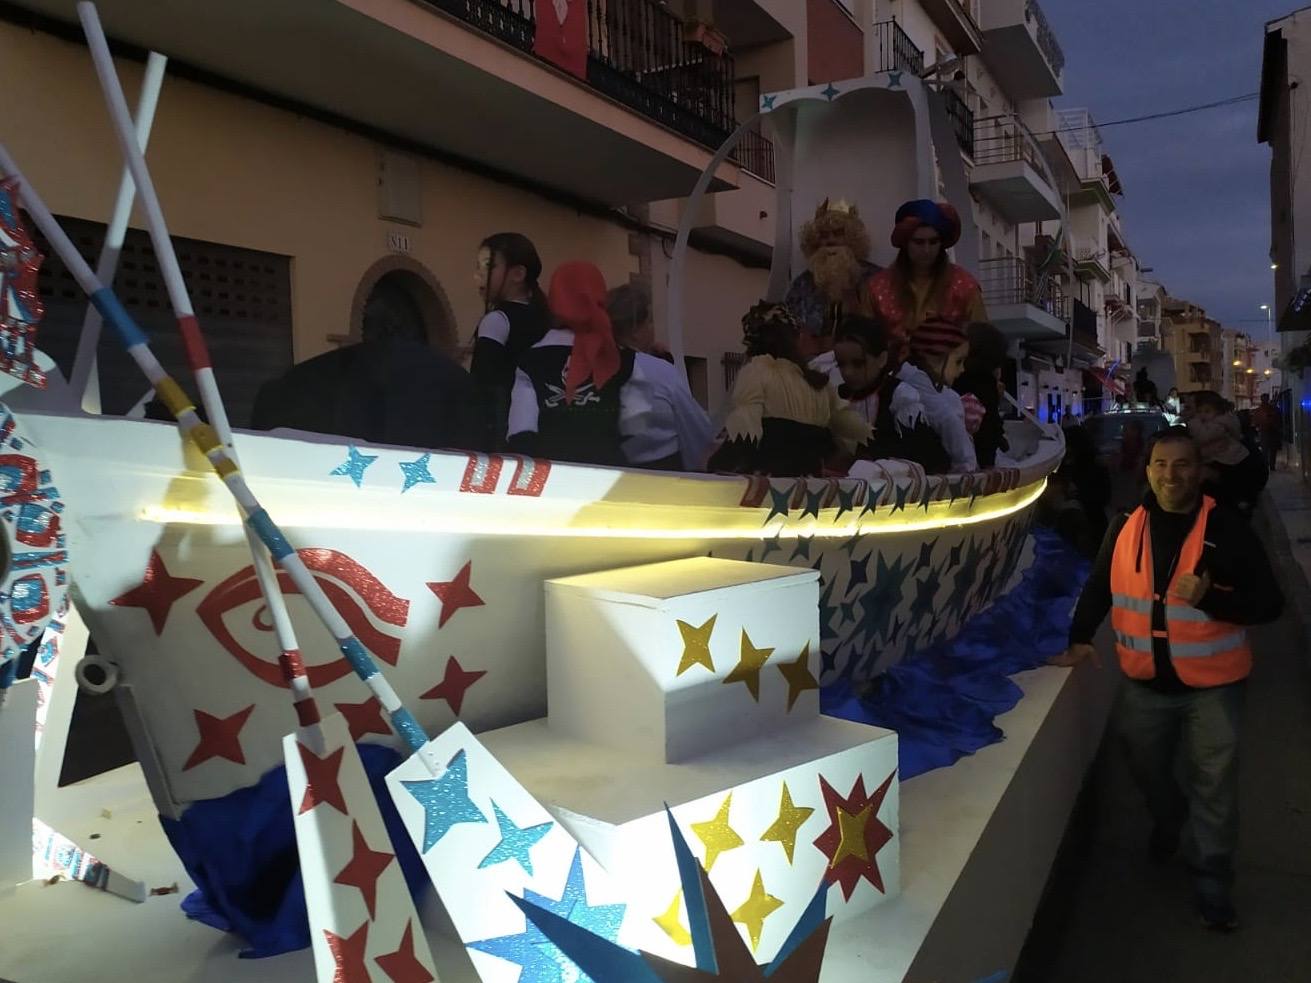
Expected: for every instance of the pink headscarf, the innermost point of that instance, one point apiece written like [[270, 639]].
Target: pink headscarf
[[577, 301]]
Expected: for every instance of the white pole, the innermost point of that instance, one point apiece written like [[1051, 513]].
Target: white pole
[[85, 380]]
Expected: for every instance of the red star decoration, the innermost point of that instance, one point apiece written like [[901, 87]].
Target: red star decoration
[[454, 685], [348, 955], [455, 594], [157, 592], [364, 718], [321, 784], [402, 966], [220, 737], [858, 857], [364, 869]]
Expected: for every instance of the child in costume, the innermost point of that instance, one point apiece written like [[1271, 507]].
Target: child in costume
[[937, 357], [980, 389], [569, 389], [785, 418], [516, 318]]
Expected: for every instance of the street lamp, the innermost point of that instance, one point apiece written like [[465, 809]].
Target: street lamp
[[1269, 323]]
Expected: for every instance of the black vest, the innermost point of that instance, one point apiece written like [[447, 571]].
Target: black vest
[[586, 430]]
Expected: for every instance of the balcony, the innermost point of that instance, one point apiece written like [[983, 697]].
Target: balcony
[[894, 51], [1020, 303], [1083, 327], [456, 78], [1010, 172], [955, 25], [1021, 49], [962, 120], [1092, 260]]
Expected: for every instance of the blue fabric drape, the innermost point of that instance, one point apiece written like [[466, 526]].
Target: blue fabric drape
[[241, 852], [941, 701]]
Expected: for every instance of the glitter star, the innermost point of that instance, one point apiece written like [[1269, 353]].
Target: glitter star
[[716, 834], [798, 675], [696, 646], [455, 683], [354, 466], [348, 955], [516, 842], [455, 594], [758, 906], [445, 801], [672, 921], [321, 780], [157, 592], [780, 502], [791, 818], [855, 835], [364, 718], [220, 737], [417, 473], [364, 869], [750, 661], [403, 966]]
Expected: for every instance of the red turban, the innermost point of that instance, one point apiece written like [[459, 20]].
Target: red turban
[[577, 301], [937, 336], [939, 215]]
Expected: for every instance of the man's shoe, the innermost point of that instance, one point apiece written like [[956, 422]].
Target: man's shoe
[[1162, 845], [1215, 906]]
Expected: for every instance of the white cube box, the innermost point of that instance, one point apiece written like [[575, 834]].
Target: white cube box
[[773, 819], [671, 660]]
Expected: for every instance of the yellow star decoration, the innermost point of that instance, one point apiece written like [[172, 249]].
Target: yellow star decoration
[[851, 833], [798, 676], [747, 670], [790, 819], [755, 909], [672, 921], [717, 835], [696, 646]]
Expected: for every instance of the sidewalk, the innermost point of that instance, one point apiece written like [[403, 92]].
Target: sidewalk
[[1110, 917]]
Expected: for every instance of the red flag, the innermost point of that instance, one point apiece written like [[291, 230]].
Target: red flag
[[561, 36]]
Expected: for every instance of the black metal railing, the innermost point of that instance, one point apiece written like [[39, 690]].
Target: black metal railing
[[756, 154], [639, 55], [894, 50], [1047, 43], [1010, 280], [1083, 325], [962, 120], [1001, 139]]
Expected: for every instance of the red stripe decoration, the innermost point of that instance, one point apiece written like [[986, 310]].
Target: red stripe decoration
[[307, 711], [293, 667], [194, 342]]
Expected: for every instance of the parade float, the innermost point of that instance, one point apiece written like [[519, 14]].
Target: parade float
[[554, 666]]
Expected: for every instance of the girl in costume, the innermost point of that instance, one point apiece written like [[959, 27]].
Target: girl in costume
[[891, 407], [785, 418], [937, 357], [570, 386], [664, 428], [516, 318], [923, 282]]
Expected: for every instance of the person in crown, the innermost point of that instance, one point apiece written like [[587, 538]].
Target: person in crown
[[835, 283]]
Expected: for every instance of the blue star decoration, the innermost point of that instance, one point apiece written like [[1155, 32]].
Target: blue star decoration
[[859, 573], [417, 473], [903, 493], [767, 102], [894, 80], [445, 801], [954, 559], [516, 842], [846, 501], [926, 591], [926, 554], [803, 547], [826, 613], [880, 603], [540, 958], [928, 495], [851, 544], [828, 661], [963, 584], [779, 502], [354, 466], [770, 545], [846, 613], [954, 490], [829, 92], [813, 501]]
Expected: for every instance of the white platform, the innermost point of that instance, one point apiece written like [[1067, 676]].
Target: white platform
[[977, 841]]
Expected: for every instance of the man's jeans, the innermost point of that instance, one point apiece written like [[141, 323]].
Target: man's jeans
[[1183, 752]]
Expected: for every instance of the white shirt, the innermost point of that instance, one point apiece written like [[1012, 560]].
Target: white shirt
[[946, 415]]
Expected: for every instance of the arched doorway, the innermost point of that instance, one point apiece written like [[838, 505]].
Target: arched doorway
[[398, 297]]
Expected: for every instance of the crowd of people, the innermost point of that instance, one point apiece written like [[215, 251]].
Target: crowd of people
[[857, 364]]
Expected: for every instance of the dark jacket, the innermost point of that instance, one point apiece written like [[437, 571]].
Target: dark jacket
[[1243, 591], [991, 435], [380, 392]]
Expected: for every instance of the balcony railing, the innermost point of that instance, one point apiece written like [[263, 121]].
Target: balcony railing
[[962, 120], [638, 55], [1051, 48], [1010, 280], [1001, 139], [896, 52], [756, 154]]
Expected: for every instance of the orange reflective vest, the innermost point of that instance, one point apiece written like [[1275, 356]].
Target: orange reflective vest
[[1203, 651]]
